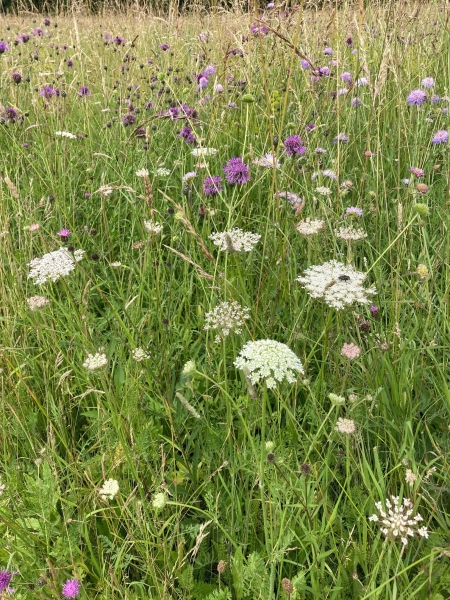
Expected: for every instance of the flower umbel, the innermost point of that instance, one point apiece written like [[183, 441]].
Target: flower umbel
[[53, 265], [269, 361], [109, 490], [235, 240], [226, 318], [338, 284], [397, 520]]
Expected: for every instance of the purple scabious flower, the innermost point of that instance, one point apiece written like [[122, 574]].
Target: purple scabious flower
[[236, 171], [324, 71], [354, 210], [164, 47], [341, 137], [202, 83], [211, 185], [441, 137], [346, 76], [259, 30], [48, 91], [187, 135], [5, 578], [16, 77], [128, 119], [435, 99], [416, 98], [427, 83], [71, 588], [305, 64], [209, 70], [417, 172], [84, 91], [293, 146], [328, 52], [3, 47], [356, 101]]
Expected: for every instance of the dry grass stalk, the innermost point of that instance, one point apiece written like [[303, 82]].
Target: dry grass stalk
[[12, 188], [200, 271]]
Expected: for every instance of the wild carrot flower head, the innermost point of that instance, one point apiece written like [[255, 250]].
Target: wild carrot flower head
[[53, 265], [269, 361], [346, 426], [350, 233], [269, 161], [293, 146], [397, 520], [95, 361], [235, 240], [310, 226], [226, 318], [236, 171], [109, 489], [339, 285], [416, 98], [350, 351]]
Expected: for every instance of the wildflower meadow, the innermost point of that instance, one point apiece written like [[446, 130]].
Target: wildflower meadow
[[225, 278]]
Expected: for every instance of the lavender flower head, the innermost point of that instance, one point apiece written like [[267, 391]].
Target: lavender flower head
[[305, 64], [3, 47], [71, 588], [236, 171], [427, 83], [416, 98], [328, 51], [293, 146], [5, 578], [346, 76], [441, 137], [212, 185], [209, 70]]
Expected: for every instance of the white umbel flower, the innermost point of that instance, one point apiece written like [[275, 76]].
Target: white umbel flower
[[397, 520], [338, 284], [203, 152], [109, 490], [270, 361], [66, 134], [153, 227], [235, 240], [139, 354], [53, 265], [226, 318], [95, 361], [310, 226], [142, 172], [37, 302], [350, 233], [346, 426], [269, 161], [323, 191]]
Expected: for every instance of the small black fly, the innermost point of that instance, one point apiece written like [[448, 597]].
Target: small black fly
[[344, 278]]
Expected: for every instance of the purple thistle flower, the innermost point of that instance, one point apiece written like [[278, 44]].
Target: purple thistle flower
[[374, 309], [346, 76], [3, 47], [293, 145], [47, 22], [23, 38], [128, 119], [328, 51], [71, 588], [47, 91], [427, 83], [349, 42], [64, 234], [5, 578], [69, 63], [310, 127], [38, 31], [417, 172], [236, 171], [441, 137], [416, 98], [16, 77], [87, 195], [84, 91], [164, 47], [187, 135], [259, 30], [211, 185], [120, 41], [11, 114]]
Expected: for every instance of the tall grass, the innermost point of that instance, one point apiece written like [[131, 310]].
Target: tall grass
[[211, 468]]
